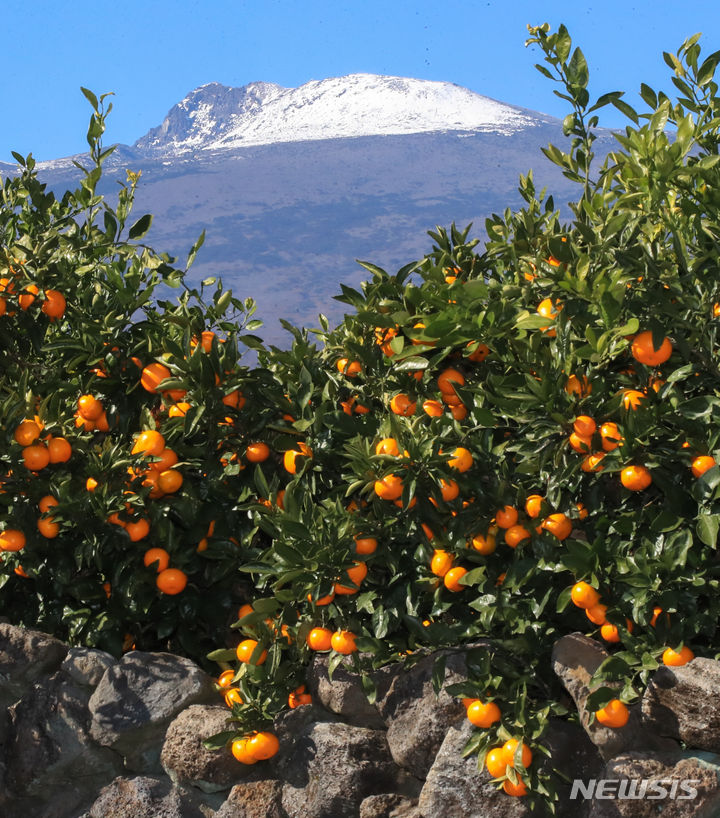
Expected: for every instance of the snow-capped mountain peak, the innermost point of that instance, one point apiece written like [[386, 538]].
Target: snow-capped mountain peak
[[217, 117]]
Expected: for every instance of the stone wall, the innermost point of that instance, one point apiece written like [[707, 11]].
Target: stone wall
[[84, 735]]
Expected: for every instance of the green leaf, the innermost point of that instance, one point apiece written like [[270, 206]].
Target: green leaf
[[194, 250], [577, 69], [141, 226], [707, 528], [222, 655], [219, 740], [90, 97], [438, 673]]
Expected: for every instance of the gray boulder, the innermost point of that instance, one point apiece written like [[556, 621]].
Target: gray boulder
[[254, 799], [417, 719], [682, 702], [137, 698], [25, 656], [146, 797], [87, 666], [188, 762], [455, 788], [575, 659], [331, 768], [343, 694], [633, 772], [49, 747], [389, 805]]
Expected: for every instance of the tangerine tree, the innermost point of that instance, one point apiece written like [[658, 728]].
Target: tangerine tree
[[509, 442], [126, 415], [527, 432]]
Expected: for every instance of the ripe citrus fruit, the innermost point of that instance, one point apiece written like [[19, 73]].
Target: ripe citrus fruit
[[401, 404], [365, 545], [319, 639], [533, 505], [235, 399], [27, 433], [12, 540], [48, 527], [389, 487], [510, 749], [580, 443], [171, 581], [516, 790], [584, 425], [89, 407], [610, 632], [643, 349], [506, 517], [611, 436], [153, 375], [484, 543], [478, 351], [54, 304], [679, 658], [291, 455], [433, 408], [323, 600], [36, 456], [389, 446], [241, 752], [559, 525], [349, 368], [343, 642], [548, 309], [584, 595], [461, 459], [166, 459], [158, 555], [226, 678], [47, 502], [515, 535], [138, 530], [441, 562], [263, 745], [148, 443], [632, 399], [233, 696], [356, 575], [702, 464], [614, 714], [299, 697], [483, 714], [245, 650], [59, 450], [452, 578], [635, 478], [593, 462], [448, 378], [26, 299], [449, 490], [597, 613], [257, 452], [495, 762], [578, 386], [170, 481]]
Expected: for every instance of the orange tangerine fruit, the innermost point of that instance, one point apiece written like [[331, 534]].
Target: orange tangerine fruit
[[643, 349]]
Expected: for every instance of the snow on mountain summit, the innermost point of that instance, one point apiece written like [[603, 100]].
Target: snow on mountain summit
[[217, 117]]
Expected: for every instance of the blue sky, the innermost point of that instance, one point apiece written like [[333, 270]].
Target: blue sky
[[160, 50]]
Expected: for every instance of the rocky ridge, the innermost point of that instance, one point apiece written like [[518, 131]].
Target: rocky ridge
[[85, 735]]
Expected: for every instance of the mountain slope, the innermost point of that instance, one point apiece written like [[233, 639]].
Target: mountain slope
[[286, 219], [216, 117]]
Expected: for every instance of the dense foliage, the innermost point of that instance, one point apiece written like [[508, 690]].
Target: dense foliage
[[564, 375]]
